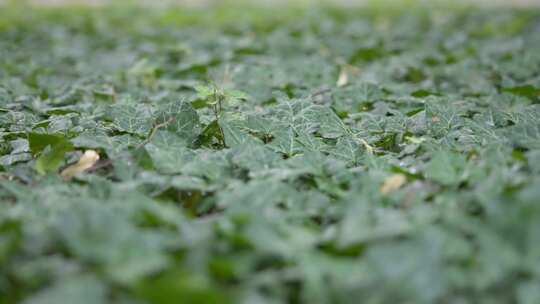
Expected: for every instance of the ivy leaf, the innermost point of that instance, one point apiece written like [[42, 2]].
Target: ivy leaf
[[326, 122], [39, 141], [52, 159], [528, 91], [132, 118], [173, 285], [84, 289], [204, 92], [446, 168]]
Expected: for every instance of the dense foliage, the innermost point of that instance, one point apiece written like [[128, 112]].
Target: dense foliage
[[317, 157]]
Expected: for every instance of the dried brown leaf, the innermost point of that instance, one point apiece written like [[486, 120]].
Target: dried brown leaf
[[393, 183], [87, 160]]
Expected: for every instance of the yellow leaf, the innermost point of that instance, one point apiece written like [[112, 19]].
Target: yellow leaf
[[87, 160], [393, 183], [343, 79], [347, 71]]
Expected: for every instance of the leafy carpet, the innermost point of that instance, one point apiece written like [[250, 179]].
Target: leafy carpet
[[244, 155]]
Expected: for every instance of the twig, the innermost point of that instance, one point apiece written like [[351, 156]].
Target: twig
[[320, 92], [155, 128], [109, 162], [99, 165], [366, 145], [217, 110]]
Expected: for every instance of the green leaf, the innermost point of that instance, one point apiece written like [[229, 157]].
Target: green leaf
[[103, 236], [168, 154], [84, 289], [210, 132], [323, 120], [234, 96], [446, 168], [204, 92], [177, 285], [132, 118], [180, 119], [236, 167], [528, 91], [235, 135], [39, 141], [52, 159], [11, 159]]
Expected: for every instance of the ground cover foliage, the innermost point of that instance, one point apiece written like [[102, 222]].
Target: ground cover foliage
[[316, 157]]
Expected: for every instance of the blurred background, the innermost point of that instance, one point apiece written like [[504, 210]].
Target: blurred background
[[203, 3]]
